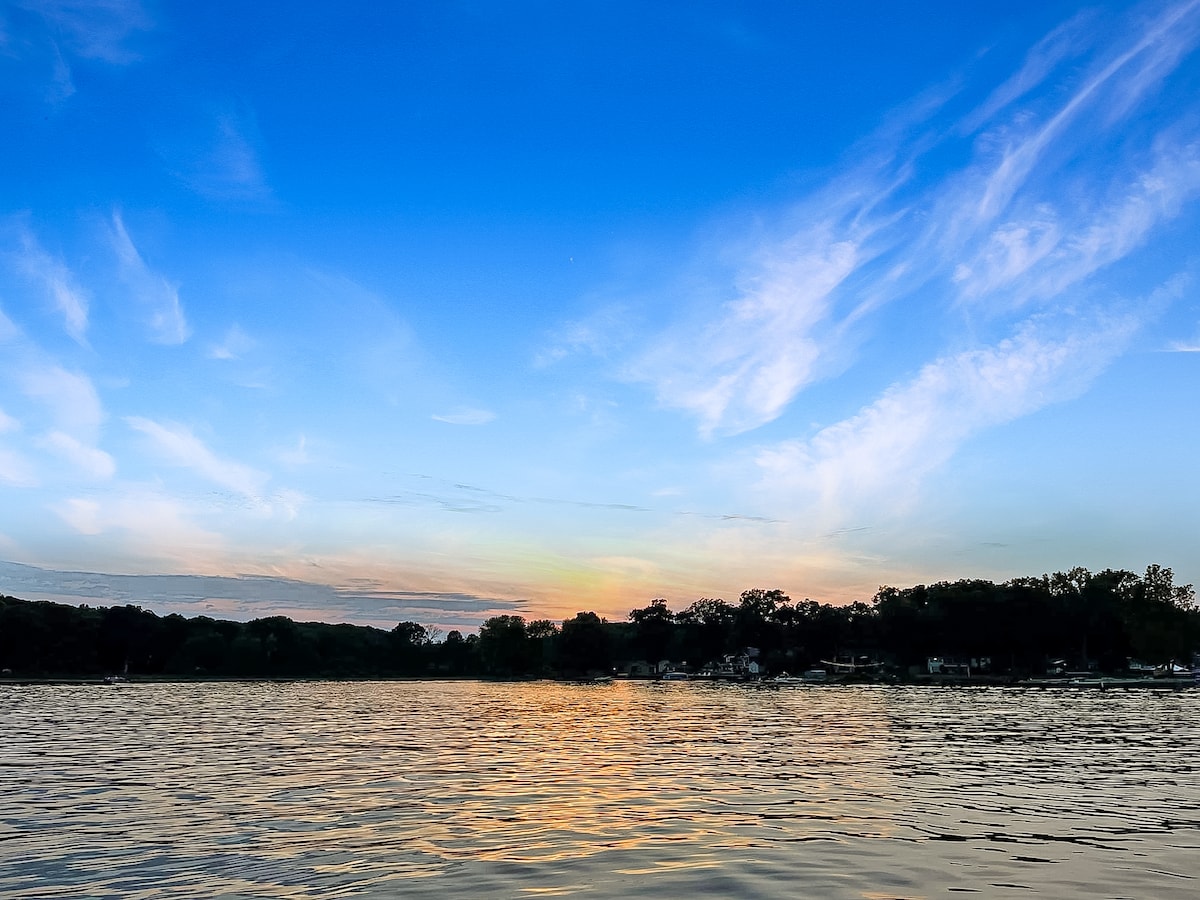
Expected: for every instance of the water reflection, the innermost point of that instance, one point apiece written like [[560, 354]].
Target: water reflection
[[321, 790]]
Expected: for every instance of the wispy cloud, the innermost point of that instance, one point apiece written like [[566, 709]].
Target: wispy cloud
[[70, 396], [62, 31], [1190, 346], [1131, 71], [466, 416], [227, 166], [1049, 196], [151, 290], [94, 29], [15, 469], [179, 446], [145, 522], [1070, 40], [445, 503], [1044, 255], [91, 460], [469, 498], [60, 285], [886, 449], [597, 334], [234, 345], [743, 369], [8, 329], [297, 454]]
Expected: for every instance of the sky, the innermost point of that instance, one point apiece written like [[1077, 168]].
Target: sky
[[437, 311]]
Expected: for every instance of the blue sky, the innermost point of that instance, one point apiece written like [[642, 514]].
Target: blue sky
[[445, 310]]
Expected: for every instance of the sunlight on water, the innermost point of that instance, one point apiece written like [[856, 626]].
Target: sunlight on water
[[319, 790]]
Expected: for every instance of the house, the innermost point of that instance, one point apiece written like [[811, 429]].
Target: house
[[734, 666], [958, 665]]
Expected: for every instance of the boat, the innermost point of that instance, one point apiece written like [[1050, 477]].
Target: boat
[[785, 678], [675, 676]]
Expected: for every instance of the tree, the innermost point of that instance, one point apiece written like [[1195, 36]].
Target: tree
[[653, 628], [1159, 584], [754, 619], [707, 626], [543, 637], [1159, 616], [584, 644], [454, 654], [503, 646], [410, 644]]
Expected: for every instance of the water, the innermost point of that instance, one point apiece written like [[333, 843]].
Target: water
[[321, 790]]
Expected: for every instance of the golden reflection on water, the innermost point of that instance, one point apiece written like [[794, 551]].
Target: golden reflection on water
[[574, 771], [313, 790]]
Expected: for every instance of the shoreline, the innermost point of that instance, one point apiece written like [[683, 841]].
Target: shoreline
[[1100, 682]]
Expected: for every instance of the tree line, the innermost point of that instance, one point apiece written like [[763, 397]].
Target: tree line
[[1084, 618]]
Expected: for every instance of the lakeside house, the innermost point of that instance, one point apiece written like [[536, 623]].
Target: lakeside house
[[640, 668], [734, 666], [854, 664], [958, 665]]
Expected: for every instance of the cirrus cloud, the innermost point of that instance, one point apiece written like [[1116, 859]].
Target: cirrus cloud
[[155, 293], [465, 416], [180, 447]]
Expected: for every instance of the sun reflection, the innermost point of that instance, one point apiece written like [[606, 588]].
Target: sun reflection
[[620, 767]]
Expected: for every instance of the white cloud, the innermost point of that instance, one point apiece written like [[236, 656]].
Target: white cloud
[[742, 369], [71, 398], [1186, 346], [1132, 72], [597, 334], [167, 322], [81, 514], [180, 447], [65, 293], [91, 460], [466, 416], [1067, 41], [7, 422], [1049, 197], [235, 344], [1046, 254], [883, 452], [288, 503], [297, 455], [1010, 252], [62, 86], [16, 470], [230, 168], [93, 29], [1156, 195], [74, 29], [154, 525], [8, 330]]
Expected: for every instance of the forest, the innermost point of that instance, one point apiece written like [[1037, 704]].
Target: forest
[[1088, 620]]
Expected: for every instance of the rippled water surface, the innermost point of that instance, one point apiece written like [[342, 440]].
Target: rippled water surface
[[317, 790]]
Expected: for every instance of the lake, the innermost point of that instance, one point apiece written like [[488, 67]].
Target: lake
[[414, 789]]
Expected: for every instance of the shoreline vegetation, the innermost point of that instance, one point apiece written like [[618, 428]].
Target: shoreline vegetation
[[1111, 628]]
